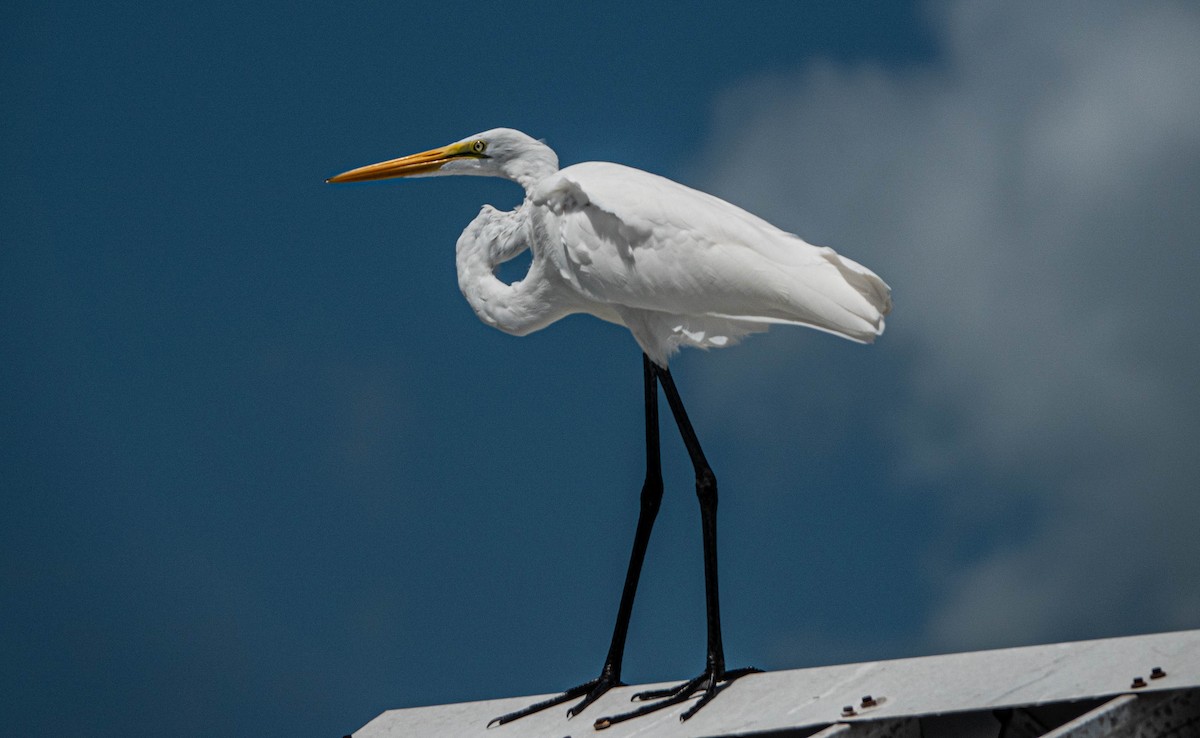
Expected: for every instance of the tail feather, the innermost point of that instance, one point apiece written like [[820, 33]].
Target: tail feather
[[875, 293], [835, 295]]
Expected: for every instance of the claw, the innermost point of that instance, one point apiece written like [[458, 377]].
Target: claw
[[710, 683], [594, 694], [591, 692], [658, 694]]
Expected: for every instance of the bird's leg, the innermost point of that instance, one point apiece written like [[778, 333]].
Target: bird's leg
[[715, 677], [651, 500]]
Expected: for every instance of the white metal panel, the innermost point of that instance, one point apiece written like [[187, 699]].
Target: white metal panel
[[1174, 714], [817, 697]]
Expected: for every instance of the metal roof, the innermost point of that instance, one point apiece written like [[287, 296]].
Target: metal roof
[[1135, 687]]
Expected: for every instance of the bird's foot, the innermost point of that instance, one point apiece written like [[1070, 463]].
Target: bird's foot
[[590, 691], [708, 684]]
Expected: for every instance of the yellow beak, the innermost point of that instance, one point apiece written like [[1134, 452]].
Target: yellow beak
[[406, 166]]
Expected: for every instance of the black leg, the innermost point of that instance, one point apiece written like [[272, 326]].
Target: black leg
[[651, 500], [715, 677]]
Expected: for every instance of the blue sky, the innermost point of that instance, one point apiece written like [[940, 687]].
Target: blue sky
[[265, 471]]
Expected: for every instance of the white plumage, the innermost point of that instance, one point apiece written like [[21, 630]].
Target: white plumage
[[676, 266]]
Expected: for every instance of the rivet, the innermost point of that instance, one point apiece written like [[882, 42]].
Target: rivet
[[848, 710], [869, 701], [1157, 673], [1138, 683]]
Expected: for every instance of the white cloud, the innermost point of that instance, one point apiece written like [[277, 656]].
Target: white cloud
[[1032, 197]]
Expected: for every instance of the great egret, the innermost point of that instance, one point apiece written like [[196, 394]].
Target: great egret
[[675, 266]]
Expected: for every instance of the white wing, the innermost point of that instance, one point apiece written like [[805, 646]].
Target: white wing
[[682, 267]]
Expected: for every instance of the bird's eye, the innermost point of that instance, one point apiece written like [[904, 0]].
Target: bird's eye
[[479, 147]]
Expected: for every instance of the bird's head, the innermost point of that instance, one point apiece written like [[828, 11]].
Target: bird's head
[[500, 152]]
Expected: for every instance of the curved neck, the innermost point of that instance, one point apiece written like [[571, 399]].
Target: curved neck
[[493, 238]]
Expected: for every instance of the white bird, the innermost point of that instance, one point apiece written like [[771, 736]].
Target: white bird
[[675, 266]]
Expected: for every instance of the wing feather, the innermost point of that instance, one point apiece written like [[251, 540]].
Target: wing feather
[[634, 240]]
